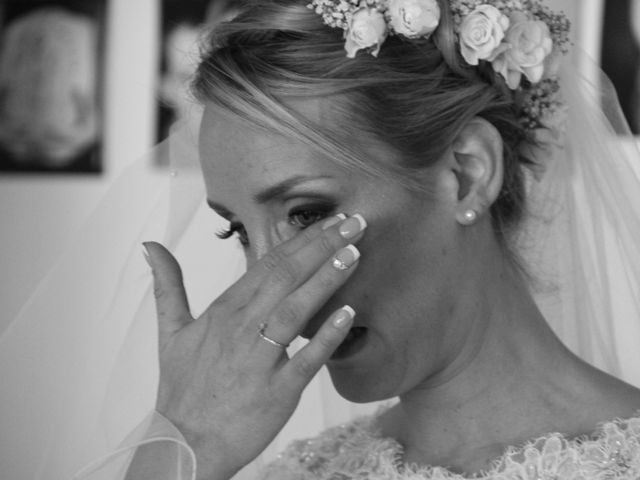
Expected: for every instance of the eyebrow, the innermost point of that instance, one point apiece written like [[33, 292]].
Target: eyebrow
[[281, 189], [270, 193]]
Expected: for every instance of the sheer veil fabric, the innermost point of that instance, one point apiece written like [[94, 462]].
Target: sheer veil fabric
[[580, 240], [78, 365], [65, 398]]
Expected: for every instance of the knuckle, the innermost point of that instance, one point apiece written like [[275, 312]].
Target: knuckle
[[287, 315], [304, 367], [162, 312], [308, 234], [327, 281], [272, 260], [285, 273], [326, 245], [326, 343], [158, 291]]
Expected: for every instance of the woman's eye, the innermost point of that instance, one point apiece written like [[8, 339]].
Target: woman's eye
[[237, 229], [306, 217]]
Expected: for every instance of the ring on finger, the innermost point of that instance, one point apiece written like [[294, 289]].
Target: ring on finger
[[263, 336]]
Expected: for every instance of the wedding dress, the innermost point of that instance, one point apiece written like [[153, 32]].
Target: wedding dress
[[357, 451]]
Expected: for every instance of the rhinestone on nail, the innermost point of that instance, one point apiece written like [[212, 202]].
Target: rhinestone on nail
[[339, 264]]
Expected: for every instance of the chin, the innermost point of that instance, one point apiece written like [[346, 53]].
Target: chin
[[360, 386]]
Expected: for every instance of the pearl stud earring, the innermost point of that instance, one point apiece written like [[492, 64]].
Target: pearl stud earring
[[469, 217]]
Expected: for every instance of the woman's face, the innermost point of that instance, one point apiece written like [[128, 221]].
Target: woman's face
[[404, 289]]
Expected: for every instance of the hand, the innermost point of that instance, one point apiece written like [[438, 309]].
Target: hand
[[227, 389]]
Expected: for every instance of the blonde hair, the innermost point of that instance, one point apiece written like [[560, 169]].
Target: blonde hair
[[415, 96]]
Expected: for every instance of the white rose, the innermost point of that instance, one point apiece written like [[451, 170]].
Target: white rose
[[367, 29], [414, 18], [528, 43], [481, 33]]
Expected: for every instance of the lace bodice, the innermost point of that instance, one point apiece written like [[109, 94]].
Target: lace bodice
[[358, 451]]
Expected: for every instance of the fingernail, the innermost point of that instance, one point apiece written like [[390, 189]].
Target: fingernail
[[145, 253], [346, 257], [344, 317], [353, 226], [333, 220]]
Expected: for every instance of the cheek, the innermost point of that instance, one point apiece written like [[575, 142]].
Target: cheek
[[404, 287], [401, 256]]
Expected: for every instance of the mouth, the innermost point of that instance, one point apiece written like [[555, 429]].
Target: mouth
[[352, 344]]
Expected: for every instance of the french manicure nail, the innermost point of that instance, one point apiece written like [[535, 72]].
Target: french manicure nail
[[353, 226], [333, 220], [344, 316], [145, 253], [346, 257]]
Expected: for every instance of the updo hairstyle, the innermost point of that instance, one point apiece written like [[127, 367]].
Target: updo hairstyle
[[416, 96]]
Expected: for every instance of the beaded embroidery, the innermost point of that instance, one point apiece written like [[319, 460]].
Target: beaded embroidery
[[356, 451]]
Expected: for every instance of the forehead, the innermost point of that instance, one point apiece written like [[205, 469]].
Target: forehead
[[238, 155]]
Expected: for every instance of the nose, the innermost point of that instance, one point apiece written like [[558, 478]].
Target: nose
[[262, 242], [255, 252]]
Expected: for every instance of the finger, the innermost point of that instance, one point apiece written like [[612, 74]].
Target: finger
[[246, 286], [243, 290], [307, 235], [290, 317], [171, 299], [298, 372], [289, 273]]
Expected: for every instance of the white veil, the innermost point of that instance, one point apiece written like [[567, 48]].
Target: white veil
[[77, 366], [581, 239], [64, 398]]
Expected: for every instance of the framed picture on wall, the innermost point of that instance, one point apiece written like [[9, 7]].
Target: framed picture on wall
[[51, 61], [620, 55], [183, 26]]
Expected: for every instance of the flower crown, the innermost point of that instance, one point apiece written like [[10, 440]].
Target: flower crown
[[523, 40]]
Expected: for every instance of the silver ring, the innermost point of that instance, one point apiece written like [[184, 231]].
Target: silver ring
[[261, 330]]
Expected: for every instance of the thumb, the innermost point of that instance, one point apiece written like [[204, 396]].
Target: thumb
[[171, 299]]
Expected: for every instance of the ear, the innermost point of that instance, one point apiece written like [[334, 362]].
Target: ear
[[478, 167]]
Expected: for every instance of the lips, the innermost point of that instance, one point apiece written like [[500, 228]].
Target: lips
[[353, 343]]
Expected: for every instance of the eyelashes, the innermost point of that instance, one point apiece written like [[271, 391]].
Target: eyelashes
[[234, 228], [299, 217]]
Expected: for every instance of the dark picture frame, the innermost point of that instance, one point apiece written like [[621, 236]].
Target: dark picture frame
[[183, 26], [620, 57], [51, 86]]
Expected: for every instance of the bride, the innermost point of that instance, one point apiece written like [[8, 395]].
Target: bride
[[428, 193], [371, 159]]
